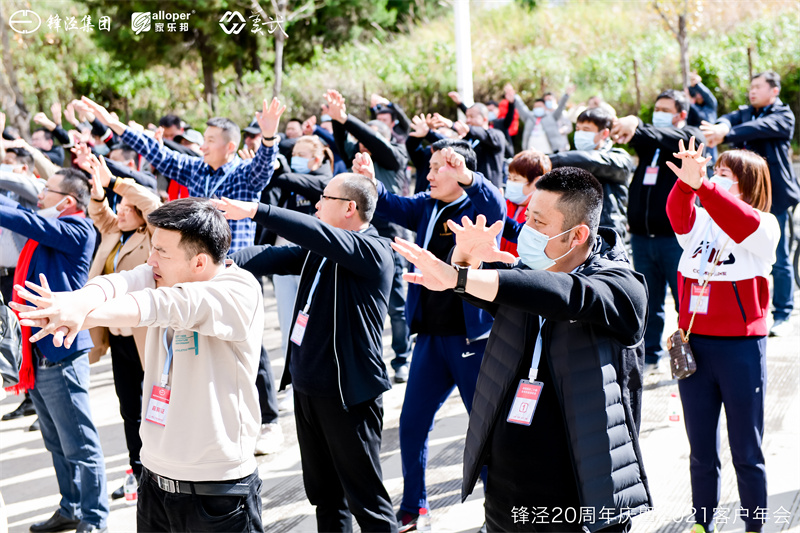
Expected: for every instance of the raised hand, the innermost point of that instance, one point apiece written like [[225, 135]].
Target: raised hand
[[455, 167], [431, 272], [336, 106], [2, 122], [101, 113], [509, 92], [375, 100], [478, 242], [42, 120], [308, 125], [362, 164], [99, 170], [55, 110], [455, 97], [246, 153], [623, 129], [439, 121], [693, 164], [419, 127], [82, 156], [235, 209], [461, 128], [69, 113], [269, 117], [570, 89], [714, 133], [158, 135]]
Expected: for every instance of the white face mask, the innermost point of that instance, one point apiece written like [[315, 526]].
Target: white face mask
[[721, 181], [584, 140], [10, 168], [515, 193], [52, 211], [531, 245]]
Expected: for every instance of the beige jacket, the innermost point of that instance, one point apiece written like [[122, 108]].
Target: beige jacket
[[134, 252], [213, 417]]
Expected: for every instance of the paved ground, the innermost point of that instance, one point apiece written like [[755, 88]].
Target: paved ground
[[27, 481]]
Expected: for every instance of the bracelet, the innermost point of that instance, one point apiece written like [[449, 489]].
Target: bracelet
[[269, 139]]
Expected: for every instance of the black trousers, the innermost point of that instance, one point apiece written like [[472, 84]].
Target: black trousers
[[159, 511], [265, 383], [340, 454], [7, 283], [128, 377]]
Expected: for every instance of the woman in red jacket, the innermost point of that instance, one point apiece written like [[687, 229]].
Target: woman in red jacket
[[728, 250], [523, 171]]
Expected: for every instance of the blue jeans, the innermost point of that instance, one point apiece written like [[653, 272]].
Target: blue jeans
[[656, 257], [782, 278], [401, 341], [61, 398], [731, 371]]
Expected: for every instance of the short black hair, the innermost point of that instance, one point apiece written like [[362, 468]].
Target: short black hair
[[539, 100], [202, 226], [362, 191], [295, 119], [460, 147], [48, 135], [126, 151], [598, 116], [679, 97], [491, 102], [23, 156], [770, 76], [228, 127], [170, 120], [11, 133], [76, 184], [581, 196]]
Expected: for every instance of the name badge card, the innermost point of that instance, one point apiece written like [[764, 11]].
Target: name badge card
[[157, 408], [525, 402], [299, 330], [698, 299]]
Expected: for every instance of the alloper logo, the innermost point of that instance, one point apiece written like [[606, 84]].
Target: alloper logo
[[141, 22]]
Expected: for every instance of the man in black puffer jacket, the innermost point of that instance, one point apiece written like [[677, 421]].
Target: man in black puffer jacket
[[568, 331]]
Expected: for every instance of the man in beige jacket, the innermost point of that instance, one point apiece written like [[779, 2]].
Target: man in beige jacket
[[201, 416]]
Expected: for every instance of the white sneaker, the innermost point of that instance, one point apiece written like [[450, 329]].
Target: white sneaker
[[287, 404], [269, 439], [781, 328]]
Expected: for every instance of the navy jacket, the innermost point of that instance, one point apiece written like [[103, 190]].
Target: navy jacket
[[415, 212], [64, 255], [768, 133], [363, 279]]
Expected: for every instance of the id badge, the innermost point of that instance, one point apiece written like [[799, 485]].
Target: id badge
[[698, 299], [650, 176], [299, 330], [525, 401], [157, 408]]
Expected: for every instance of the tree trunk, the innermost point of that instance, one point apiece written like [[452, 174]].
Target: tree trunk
[[280, 40], [11, 97], [683, 42], [208, 58], [636, 84]]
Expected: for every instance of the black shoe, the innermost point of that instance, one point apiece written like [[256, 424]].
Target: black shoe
[[35, 426], [119, 493], [86, 527], [57, 522], [24, 409]]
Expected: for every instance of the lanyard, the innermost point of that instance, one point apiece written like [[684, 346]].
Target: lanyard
[[168, 362], [314, 285], [705, 253], [208, 192], [119, 249], [537, 353], [435, 214], [655, 157]]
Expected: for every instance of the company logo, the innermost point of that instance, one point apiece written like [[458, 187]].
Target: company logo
[[24, 21], [141, 22], [235, 27], [467, 354]]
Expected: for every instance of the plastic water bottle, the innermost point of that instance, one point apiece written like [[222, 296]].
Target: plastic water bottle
[[424, 520], [131, 486], [674, 408]]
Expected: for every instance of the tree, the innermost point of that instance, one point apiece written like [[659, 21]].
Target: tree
[[11, 96], [681, 16]]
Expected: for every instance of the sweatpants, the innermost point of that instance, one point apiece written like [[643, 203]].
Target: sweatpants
[[438, 365], [731, 371]]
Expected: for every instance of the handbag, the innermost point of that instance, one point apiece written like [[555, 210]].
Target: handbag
[[681, 358]]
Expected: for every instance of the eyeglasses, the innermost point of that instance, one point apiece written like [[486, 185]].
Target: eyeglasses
[[47, 190], [337, 198]]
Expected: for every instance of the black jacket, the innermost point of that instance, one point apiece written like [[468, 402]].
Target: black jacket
[[362, 277], [593, 338], [768, 134], [647, 204], [489, 145], [612, 167], [402, 123]]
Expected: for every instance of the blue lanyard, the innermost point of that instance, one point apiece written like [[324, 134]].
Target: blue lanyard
[[168, 362], [314, 285], [216, 186], [537, 353], [655, 157], [435, 214], [119, 249]]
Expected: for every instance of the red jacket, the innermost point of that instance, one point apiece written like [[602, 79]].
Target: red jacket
[[516, 212], [738, 294]]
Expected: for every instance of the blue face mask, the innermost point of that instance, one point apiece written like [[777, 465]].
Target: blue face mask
[[531, 245], [662, 119], [300, 164], [584, 140], [538, 112], [515, 193], [550, 104]]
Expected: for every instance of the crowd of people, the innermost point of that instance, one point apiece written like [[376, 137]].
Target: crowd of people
[[525, 264]]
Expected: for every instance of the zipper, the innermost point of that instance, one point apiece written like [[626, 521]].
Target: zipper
[[741, 308], [335, 354]]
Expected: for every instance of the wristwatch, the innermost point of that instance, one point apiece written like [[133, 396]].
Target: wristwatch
[[461, 282]]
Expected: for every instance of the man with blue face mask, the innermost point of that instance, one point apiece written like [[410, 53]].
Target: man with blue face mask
[[595, 152], [560, 384], [656, 251]]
